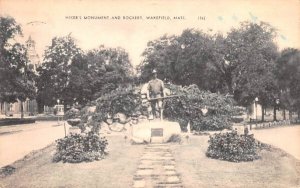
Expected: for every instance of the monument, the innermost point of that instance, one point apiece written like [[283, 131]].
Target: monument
[[155, 129]]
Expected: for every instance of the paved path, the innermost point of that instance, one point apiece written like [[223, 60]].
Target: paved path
[[286, 138], [157, 168], [19, 140]]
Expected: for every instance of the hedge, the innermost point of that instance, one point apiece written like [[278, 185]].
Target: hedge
[[16, 121]]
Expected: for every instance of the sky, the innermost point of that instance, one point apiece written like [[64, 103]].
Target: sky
[[43, 20]]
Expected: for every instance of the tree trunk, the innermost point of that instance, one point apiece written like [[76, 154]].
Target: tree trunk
[[290, 115], [262, 113], [229, 86], [284, 115], [274, 114], [22, 110]]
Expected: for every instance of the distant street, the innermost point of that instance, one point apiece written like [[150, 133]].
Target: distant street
[[286, 138], [19, 140]]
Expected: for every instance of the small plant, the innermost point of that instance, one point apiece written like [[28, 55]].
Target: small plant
[[7, 170], [232, 147], [175, 138], [77, 148]]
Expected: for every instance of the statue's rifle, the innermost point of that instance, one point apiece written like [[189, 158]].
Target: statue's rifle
[[166, 97]]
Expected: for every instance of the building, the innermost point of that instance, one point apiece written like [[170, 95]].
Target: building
[[29, 106]]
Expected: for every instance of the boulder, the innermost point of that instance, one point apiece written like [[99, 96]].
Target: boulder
[[154, 131], [104, 128], [117, 127], [91, 109], [121, 118]]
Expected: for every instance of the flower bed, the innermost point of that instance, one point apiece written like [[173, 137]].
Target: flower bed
[[232, 147], [77, 148]]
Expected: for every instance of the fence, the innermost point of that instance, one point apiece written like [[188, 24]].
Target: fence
[[272, 124]]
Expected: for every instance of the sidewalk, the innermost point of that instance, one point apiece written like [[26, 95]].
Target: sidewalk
[[16, 141]]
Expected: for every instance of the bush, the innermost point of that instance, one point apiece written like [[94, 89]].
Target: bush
[[72, 113], [175, 138], [124, 100], [190, 103], [77, 148], [232, 147]]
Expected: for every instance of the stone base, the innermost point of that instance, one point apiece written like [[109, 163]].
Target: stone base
[[74, 130], [157, 140], [154, 131]]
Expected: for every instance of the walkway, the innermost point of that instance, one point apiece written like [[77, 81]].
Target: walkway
[[16, 141], [157, 168]]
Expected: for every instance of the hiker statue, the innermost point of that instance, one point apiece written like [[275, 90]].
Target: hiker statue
[[155, 94]]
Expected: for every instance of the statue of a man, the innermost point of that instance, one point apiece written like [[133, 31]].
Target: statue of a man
[[155, 93]]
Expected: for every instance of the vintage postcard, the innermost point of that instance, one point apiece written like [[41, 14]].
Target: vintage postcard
[[156, 93]]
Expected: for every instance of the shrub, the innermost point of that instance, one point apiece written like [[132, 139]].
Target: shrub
[[232, 147], [190, 103], [124, 100], [72, 113], [182, 109], [77, 148], [15, 121], [175, 138]]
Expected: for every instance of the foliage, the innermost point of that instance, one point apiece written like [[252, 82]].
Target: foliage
[[184, 60], [77, 148], [7, 170], [241, 64], [232, 147], [72, 113], [109, 68], [175, 138], [16, 78], [249, 54], [54, 74], [191, 104], [72, 76], [124, 100], [288, 76]]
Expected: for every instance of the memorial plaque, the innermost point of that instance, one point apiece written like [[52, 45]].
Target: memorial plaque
[[157, 132]]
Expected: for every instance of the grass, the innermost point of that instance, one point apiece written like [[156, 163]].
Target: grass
[[116, 170], [274, 169]]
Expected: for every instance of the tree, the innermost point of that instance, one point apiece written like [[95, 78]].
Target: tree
[[184, 60], [108, 68], [72, 76], [54, 74], [250, 55], [288, 76], [16, 79]]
